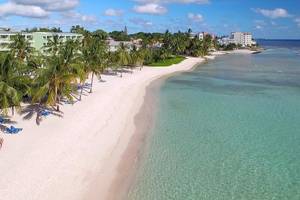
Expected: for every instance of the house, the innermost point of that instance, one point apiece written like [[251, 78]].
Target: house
[[201, 35], [113, 45]]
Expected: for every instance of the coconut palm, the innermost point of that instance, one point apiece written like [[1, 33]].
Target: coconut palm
[[137, 57], [9, 95], [122, 56], [20, 47], [94, 56], [57, 78], [53, 44]]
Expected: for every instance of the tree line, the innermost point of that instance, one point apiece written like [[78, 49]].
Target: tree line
[[63, 70]]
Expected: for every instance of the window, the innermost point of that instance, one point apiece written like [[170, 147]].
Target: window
[[44, 37], [4, 36]]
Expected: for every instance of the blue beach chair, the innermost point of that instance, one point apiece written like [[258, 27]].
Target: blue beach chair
[[13, 130], [1, 120], [45, 113]]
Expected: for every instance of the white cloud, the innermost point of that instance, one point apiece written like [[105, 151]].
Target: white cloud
[[10, 8], [297, 20], [141, 22], [273, 14], [113, 12], [158, 7], [258, 27], [195, 17], [151, 8], [78, 17], [51, 5], [174, 1]]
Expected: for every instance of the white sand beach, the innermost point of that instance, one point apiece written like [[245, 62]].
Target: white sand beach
[[76, 156]]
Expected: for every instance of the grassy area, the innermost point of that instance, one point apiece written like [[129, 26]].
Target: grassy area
[[168, 62]]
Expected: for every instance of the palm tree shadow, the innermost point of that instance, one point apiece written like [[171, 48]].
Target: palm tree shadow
[[35, 110], [110, 73], [7, 120], [101, 80]]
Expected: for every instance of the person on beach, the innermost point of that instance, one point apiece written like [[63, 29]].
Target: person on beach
[[1, 142]]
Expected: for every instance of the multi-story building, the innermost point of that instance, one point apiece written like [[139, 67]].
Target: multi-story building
[[244, 39], [38, 40]]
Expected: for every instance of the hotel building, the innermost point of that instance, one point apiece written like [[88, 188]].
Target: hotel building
[[37, 39], [244, 39]]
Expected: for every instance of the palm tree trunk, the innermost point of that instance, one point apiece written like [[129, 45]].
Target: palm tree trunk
[[81, 91], [91, 89], [121, 72], [56, 100]]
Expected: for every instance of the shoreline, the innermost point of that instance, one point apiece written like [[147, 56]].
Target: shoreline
[[89, 152], [124, 181], [76, 156], [144, 123]]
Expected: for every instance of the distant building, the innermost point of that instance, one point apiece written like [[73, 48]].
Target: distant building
[[38, 40], [114, 45], [242, 38], [201, 35], [125, 30], [225, 41]]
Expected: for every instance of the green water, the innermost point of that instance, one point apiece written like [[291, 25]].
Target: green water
[[228, 130]]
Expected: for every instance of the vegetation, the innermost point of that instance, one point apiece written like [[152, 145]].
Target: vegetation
[[66, 68], [119, 36], [168, 61], [35, 29]]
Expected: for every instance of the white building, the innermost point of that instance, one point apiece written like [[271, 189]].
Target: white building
[[114, 45], [37, 40], [244, 39], [201, 35]]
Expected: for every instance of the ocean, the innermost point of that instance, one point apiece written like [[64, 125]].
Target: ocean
[[229, 129]]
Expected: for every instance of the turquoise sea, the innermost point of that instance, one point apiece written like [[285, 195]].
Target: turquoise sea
[[230, 129]]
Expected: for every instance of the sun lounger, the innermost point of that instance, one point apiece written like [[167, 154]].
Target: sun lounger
[[45, 113], [13, 130]]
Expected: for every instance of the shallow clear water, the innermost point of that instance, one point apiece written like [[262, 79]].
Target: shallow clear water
[[230, 129]]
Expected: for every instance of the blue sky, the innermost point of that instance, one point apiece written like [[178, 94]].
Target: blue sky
[[264, 18]]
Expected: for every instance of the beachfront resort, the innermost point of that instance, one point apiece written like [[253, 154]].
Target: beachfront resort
[[53, 82], [149, 100]]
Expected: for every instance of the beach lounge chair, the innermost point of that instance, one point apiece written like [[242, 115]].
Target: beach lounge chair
[[45, 113], [13, 130]]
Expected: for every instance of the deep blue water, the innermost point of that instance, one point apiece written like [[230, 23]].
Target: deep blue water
[[290, 44]]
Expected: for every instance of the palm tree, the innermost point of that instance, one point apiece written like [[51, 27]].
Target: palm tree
[[57, 78], [9, 95], [122, 56], [20, 47], [94, 56], [53, 44], [137, 57]]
